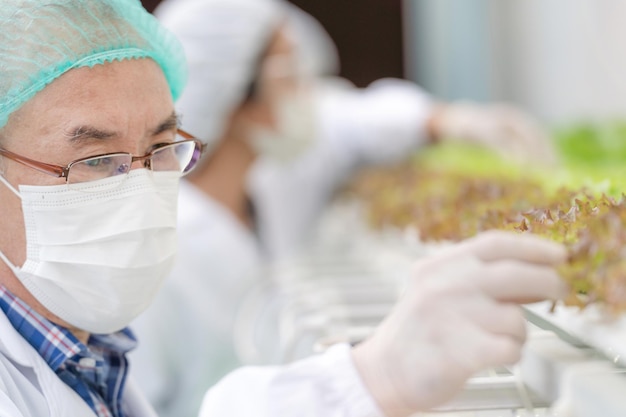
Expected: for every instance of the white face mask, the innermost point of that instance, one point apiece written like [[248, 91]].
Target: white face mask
[[96, 256], [294, 133]]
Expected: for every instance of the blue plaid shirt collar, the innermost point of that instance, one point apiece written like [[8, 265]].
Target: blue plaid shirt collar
[[96, 371]]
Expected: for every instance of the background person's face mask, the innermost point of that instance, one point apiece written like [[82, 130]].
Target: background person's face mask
[[96, 256], [293, 134], [286, 88]]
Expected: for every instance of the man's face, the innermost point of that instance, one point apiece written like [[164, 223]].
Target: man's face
[[278, 76], [116, 107], [279, 73]]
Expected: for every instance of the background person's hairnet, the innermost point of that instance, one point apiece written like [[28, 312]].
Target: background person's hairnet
[[42, 39], [224, 41], [315, 48]]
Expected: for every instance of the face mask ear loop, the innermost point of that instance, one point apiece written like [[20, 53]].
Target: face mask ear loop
[[8, 263], [9, 186], [2, 255]]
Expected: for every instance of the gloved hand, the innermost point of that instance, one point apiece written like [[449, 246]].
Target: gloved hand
[[458, 316], [501, 127]]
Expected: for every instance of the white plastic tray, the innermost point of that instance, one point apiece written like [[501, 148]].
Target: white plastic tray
[[590, 326]]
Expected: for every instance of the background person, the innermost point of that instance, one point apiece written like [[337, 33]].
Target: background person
[[280, 141], [306, 154]]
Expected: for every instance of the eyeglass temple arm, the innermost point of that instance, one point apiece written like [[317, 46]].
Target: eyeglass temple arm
[[39, 166], [186, 135]]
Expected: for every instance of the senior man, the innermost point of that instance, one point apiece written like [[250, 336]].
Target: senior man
[[91, 156]]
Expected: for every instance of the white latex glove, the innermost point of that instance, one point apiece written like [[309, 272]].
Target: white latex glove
[[459, 316], [501, 127]]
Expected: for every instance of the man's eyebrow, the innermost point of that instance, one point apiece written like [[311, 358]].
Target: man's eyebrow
[[82, 133], [171, 123]]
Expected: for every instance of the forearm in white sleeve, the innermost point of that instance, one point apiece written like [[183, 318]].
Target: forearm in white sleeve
[[325, 385], [382, 123]]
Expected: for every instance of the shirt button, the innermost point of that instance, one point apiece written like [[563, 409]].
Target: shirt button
[[87, 362]]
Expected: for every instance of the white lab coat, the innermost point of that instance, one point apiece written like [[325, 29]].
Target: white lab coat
[[29, 388], [320, 386], [380, 124], [186, 337]]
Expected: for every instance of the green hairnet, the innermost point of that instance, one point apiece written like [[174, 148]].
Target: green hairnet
[[42, 39]]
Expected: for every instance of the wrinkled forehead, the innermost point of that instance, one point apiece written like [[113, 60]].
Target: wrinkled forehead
[[123, 96]]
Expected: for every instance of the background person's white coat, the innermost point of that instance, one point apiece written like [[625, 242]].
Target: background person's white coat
[[185, 337]]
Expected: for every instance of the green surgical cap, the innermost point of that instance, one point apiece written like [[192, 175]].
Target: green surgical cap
[[40, 40]]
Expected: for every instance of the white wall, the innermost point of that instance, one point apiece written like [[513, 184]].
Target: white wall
[[447, 45], [564, 60]]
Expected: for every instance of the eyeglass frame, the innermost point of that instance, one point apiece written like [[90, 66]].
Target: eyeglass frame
[[63, 171]]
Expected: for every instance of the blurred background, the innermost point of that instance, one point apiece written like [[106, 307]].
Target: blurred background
[[561, 60]]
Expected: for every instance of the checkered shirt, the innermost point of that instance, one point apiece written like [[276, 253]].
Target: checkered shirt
[[96, 371]]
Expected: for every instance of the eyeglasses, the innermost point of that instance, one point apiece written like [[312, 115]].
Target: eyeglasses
[[181, 155]]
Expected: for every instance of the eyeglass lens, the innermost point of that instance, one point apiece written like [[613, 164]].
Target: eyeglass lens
[[178, 156]]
